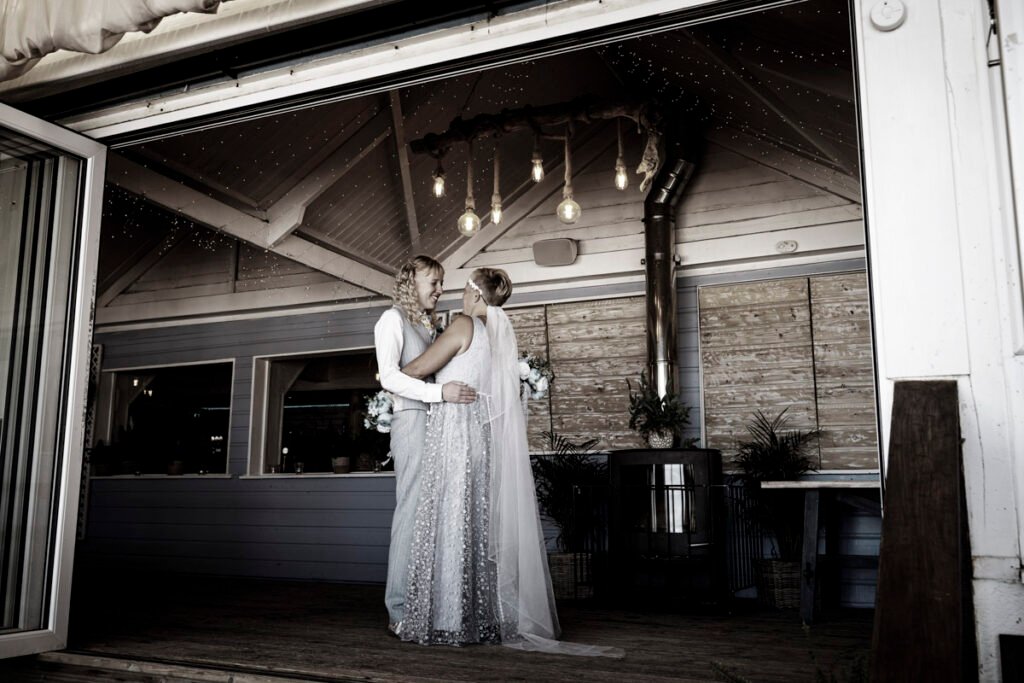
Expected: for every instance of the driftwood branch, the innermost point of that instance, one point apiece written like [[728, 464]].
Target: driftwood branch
[[580, 111]]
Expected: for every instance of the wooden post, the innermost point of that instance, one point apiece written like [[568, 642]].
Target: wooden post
[[922, 632], [809, 565]]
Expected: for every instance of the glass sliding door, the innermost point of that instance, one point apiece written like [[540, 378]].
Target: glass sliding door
[[50, 185]]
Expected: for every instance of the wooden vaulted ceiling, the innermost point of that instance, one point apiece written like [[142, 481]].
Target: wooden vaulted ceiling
[[337, 188]]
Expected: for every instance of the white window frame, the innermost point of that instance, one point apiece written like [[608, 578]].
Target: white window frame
[[257, 454], [103, 425]]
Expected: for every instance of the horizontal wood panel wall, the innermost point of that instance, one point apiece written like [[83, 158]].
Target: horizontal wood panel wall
[[800, 344], [594, 347]]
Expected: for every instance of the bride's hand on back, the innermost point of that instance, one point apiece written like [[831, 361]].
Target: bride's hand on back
[[458, 392], [453, 341]]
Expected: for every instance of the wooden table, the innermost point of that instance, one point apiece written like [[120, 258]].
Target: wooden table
[[813, 488]]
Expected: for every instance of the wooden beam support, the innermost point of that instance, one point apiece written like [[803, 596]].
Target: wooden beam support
[[208, 211], [398, 123], [139, 267], [534, 195], [180, 172], [230, 303], [287, 214], [583, 110], [752, 84]]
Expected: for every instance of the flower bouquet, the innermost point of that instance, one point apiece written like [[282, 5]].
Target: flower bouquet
[[535, 376], [379, 411]]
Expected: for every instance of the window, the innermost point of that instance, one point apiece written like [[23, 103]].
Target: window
[[313, 409], [166, 420]]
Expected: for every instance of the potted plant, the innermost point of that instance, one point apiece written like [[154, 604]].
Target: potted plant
[[569, 480], [660, 420], [774, 453]]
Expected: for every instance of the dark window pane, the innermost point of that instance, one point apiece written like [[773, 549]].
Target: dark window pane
[[170, 420], [319, 403]]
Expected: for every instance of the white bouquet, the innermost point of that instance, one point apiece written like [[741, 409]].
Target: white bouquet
[[379, 411], [535, 376]]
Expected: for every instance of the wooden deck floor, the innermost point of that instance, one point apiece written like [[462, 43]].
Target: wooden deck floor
[[332, 632]]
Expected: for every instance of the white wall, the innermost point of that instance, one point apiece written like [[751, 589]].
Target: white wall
[[942, 277]]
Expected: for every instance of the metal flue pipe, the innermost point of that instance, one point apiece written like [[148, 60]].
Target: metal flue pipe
[[660, 262]]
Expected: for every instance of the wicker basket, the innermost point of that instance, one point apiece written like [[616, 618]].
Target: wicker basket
[[566, 568], [778, 583]]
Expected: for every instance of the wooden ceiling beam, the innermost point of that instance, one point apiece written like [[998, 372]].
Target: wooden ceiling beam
[[287, 214], [398, 122], [584, 110], [139, 266], [207, 211], [175, 170]]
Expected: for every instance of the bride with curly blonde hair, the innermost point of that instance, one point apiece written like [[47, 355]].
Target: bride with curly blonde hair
[[407, 297]]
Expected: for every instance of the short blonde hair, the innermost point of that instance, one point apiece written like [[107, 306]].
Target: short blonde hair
[[405, 287], [494, 283]]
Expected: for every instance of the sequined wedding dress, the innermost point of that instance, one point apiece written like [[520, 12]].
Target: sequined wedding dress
[[452, 596]]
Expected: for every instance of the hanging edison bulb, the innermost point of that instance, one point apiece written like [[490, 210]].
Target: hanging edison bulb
[[621, 179], [496, 194], [469, 222], [438, 175], [537, 171], [568, 210]]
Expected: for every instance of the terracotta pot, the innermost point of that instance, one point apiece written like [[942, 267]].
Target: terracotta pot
[[342, 465]]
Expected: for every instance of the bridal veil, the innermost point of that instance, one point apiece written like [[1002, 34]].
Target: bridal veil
[[517, 545]]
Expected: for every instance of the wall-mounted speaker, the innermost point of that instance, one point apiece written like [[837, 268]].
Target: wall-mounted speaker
[[556, 252]]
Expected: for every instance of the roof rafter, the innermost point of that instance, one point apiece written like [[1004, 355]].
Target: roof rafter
[[286, 215], [203, 209], [403, 166]]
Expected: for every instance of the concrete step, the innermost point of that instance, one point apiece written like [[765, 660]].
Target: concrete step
[[72, 667]]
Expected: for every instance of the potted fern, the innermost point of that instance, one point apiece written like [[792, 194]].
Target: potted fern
[[775, 453], [660, 420], [567, 480]]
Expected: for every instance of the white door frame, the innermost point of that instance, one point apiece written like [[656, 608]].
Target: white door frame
[[71, 422]]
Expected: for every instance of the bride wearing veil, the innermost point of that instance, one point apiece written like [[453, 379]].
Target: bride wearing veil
[[479, 571]]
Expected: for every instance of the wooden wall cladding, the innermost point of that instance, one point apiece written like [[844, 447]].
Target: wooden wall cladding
[[594, 347], [532, 336], [844, 371], [756, 355], [797, 343]]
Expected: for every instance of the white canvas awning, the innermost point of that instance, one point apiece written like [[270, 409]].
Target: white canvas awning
[[31, 29]]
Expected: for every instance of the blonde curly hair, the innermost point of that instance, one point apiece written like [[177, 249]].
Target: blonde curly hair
[[405, 288], [494, 283]]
